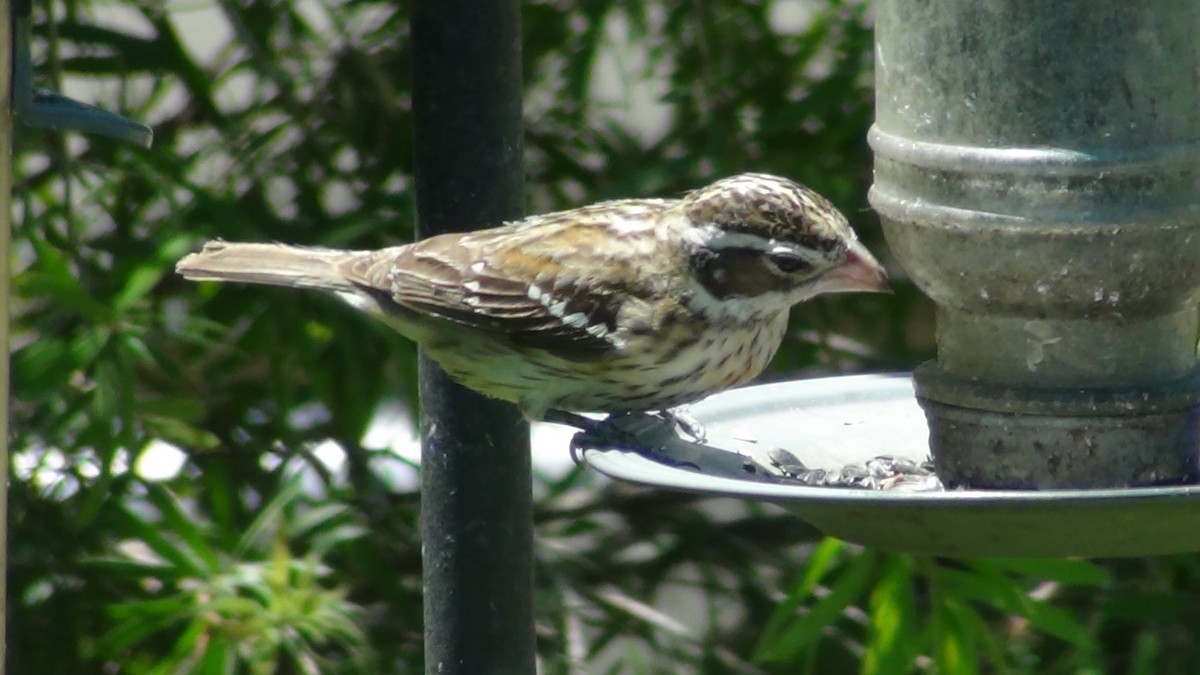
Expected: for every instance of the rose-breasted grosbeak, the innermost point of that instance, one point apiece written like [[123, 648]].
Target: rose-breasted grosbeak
[[629, 305]]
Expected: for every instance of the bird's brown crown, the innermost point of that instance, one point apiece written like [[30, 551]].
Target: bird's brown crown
[[769, 207]]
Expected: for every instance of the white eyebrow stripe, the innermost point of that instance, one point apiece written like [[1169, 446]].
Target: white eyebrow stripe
[[713, 237]]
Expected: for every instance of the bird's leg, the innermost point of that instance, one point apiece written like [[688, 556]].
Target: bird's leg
[[683, 419], [592, 431], [601, 433], [581, 422]]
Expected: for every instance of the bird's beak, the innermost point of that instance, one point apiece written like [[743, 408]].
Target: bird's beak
[[860, 272]]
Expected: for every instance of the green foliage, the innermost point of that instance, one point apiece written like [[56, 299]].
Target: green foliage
[[253, 605], [292, 122], [917, 606]]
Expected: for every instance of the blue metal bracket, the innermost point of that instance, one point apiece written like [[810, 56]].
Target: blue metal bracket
[[46, 109]]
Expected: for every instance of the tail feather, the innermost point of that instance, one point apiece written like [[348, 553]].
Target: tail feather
[[272, 264]]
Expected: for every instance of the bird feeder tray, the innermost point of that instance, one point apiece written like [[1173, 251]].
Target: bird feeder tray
[[829, 424]]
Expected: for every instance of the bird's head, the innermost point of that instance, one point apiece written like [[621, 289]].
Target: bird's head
[[759, 243]]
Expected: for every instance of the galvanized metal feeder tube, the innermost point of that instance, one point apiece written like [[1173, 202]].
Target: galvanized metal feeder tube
[[1038, 176]]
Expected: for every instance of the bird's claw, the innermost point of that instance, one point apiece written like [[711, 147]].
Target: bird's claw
[[609, 436], [603, 435], [688, 424]]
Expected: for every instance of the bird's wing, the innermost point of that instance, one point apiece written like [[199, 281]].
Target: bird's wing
[[553, 282]]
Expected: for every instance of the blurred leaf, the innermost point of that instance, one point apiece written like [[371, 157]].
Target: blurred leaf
[[992, 588], [178, 432], [1065, 571], [806, 626], [954, 642], [894, 627]]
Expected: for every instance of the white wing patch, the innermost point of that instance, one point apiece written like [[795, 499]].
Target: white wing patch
[[576, 320], [556, 309], [632, 225]]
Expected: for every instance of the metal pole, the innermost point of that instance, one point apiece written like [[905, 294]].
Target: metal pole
[[476, 509], [1036, 175]]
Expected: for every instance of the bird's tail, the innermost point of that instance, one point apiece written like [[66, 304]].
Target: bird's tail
[[272, 264]]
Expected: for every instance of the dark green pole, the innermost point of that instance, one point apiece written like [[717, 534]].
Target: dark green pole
[[476, 520]]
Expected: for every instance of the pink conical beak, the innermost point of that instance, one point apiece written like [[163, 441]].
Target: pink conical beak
[[861, 272]]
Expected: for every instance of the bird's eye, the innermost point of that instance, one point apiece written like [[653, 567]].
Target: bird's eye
[[789, 263]]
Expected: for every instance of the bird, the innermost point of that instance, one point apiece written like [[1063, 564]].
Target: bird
[[619, 307]]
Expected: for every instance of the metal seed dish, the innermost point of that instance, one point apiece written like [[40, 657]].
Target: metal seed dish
[[827, 425]]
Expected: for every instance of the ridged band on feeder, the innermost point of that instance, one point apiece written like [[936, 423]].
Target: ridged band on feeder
[[1036, 173]]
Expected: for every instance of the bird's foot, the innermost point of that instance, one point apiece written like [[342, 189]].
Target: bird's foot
[[689, 425], [602, 434]]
